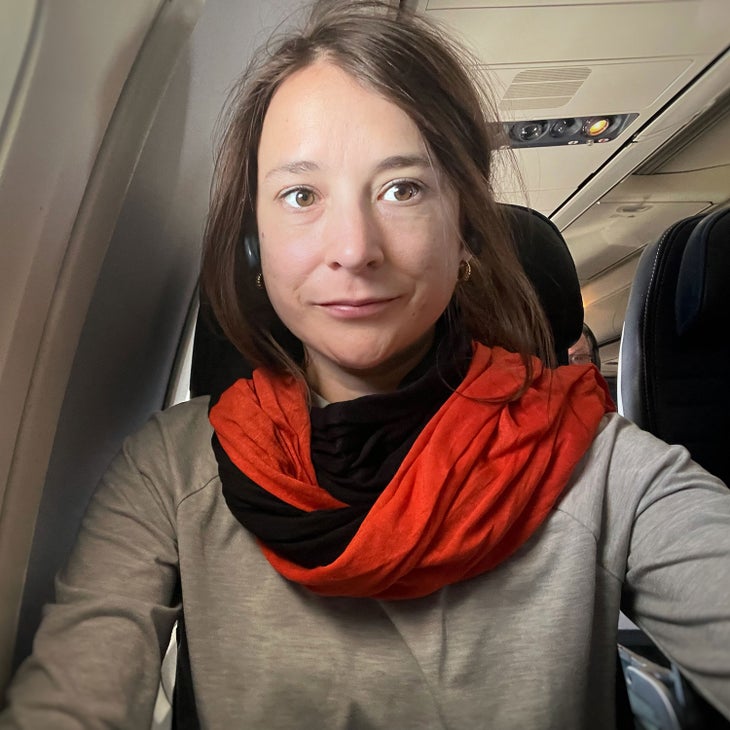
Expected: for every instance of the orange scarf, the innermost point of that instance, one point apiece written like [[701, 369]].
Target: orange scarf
[[477, 483]]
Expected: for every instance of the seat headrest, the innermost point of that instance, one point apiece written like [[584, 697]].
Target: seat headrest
[[674, 356], [541, 249], [217, 364], [649, 332], [702, 285], [549, 265]]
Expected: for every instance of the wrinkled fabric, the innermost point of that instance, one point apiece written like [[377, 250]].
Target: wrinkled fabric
[[478, 481]]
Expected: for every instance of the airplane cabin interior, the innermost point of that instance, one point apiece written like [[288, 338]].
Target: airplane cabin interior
[[616, 114]]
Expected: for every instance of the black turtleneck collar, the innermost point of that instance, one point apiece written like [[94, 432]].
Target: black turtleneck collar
[[358, 445]]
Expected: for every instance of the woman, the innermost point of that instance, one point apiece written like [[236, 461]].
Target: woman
[[406, 518]]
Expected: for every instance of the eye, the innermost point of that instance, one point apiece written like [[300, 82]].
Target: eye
[[401, 192], [299, 197]]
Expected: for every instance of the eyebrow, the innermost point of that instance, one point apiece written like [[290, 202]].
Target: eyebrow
[[298, 166], [394, 162]]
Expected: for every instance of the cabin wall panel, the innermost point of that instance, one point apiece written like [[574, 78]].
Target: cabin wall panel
[[80, 121]]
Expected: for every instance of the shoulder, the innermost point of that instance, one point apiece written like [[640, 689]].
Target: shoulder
[[624, 472], [624, 456], [621, 448], [188, 420], [173, 449]]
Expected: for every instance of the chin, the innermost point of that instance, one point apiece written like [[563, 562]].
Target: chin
[[361, 364], [377, 358]]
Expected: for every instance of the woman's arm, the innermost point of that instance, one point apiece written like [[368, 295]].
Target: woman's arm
[[96, 657], [678, 568]]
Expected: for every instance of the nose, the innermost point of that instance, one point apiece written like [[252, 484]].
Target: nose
[[354, 239]]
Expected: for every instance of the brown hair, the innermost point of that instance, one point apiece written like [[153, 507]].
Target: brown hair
[[413, 64]]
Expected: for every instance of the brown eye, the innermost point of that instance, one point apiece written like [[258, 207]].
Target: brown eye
[[401, 192], [299, 198], [304, 198]]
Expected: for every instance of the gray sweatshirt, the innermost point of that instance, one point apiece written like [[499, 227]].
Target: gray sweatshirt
[[529, 645]]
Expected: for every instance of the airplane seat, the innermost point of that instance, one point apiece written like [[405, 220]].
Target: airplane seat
[[673, 382], [674, 355]]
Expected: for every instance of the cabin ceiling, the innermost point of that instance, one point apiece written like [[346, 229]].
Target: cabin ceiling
[[665, 60]]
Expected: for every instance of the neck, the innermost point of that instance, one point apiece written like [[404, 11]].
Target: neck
[[335, 383]]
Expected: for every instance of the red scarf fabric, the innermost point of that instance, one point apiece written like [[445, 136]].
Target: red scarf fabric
[[479, 480]]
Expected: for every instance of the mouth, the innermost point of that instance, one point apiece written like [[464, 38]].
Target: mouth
[[354, 308], [355, 302]]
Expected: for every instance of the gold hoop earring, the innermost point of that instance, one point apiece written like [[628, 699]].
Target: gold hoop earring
[[260, 280], [464, 271]]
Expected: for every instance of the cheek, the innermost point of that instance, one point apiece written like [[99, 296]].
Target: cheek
[[437, 280], [285, 258], [442, 257]]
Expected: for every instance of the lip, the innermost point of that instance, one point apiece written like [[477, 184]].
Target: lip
[[356, 308]]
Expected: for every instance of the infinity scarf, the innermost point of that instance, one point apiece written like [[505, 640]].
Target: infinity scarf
[[475, 481]]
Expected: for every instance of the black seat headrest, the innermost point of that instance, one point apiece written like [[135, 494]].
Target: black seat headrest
[[217, 364], [648, 325], [674, 356], [549, 265], [543, 253], [702, 284]]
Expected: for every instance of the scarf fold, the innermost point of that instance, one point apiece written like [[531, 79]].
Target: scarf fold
[[476, 480]]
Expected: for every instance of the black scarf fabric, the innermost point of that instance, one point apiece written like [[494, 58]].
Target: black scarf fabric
[[356, 448]]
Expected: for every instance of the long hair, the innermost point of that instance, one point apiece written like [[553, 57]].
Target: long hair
[[415, 65]]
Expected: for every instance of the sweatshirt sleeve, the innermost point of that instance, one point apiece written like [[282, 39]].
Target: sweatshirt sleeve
[[97, 654], [678, 565]]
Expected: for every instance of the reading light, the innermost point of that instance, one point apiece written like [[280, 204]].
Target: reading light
[[566, 131], [596, 127], [528, 131], [564, 127]]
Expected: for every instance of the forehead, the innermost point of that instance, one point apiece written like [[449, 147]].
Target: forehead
[[322, 109]]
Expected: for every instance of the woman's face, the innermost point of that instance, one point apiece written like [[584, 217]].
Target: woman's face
[[360, 245]]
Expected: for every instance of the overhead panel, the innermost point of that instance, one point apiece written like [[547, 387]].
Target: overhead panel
[[539, 32], [614, 230], [578, 89], [546, 59], [707, 153]]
